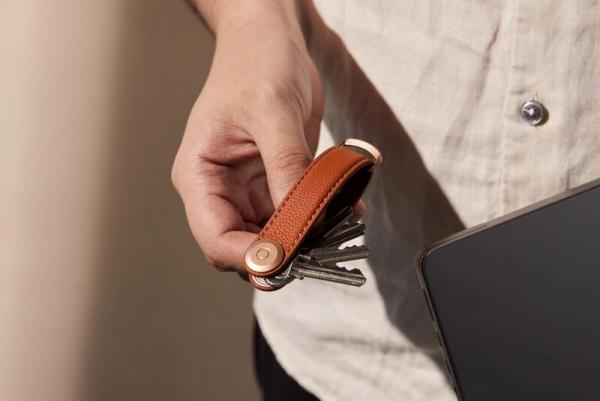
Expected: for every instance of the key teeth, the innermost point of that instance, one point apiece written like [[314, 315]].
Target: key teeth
[[318, 258], [345, 269], [364, 248], [332, 273], [345, 233]]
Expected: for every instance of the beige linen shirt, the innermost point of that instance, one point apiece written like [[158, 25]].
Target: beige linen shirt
[[448, 80]]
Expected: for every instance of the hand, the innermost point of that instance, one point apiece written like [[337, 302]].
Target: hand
[[250, 134]]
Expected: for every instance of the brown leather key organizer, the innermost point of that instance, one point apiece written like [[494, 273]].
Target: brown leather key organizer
[[302, 238]]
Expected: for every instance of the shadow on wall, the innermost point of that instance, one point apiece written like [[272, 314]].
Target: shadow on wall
[[164, 326]]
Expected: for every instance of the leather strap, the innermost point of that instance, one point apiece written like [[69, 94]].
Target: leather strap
[[334, 180]]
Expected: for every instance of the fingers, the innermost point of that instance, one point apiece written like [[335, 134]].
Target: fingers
[[217, 206], [218, 228], [229, 189], [246, 144], [226, 200], [285, 154], [312, 126]]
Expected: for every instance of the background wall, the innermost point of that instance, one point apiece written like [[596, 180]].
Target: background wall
[[103, 292]]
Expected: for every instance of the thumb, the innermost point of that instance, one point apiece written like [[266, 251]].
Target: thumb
[[285, 157]]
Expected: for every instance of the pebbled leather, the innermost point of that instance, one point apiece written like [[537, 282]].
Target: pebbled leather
[[336, 178]]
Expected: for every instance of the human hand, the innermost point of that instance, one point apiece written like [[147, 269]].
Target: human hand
[[252, 130]]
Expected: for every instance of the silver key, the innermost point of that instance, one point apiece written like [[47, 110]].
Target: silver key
[[344, 234], [340, 219], [280, 280], [328, 255], [331, 224], [320, 264], [317, 260], [335, 274]]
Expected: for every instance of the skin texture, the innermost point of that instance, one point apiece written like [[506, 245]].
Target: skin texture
[[253, 129]]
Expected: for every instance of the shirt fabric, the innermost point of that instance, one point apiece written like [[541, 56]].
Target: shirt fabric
[[448, 80]]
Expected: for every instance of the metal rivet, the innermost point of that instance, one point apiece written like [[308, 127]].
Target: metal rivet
[[533, 112], [263, 255]]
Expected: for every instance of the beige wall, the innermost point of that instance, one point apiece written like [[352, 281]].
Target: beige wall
[[103, 293]]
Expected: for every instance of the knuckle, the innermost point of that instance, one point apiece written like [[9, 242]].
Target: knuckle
[[291, 160], [272, 91], [212, 258], [217, 264], [284, 95]]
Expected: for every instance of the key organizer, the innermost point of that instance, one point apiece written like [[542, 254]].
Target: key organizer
[[314, 211]]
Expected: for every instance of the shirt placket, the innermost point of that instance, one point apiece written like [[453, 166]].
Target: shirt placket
[[531, 163]]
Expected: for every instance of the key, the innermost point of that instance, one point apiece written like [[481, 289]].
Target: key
[[281, 279], [335, 274], [344, 234], [337, 221], [310, 248], [334, 255], [320, 263], [318, 257], [331, 224]]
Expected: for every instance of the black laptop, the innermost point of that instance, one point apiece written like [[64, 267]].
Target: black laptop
[[516, 302]]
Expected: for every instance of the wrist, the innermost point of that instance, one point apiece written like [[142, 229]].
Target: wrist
[[223, 16]]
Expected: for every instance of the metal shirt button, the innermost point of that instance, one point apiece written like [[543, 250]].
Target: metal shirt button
[[533, 112]]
